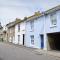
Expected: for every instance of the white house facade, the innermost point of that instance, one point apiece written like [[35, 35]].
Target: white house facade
[[20, 33]]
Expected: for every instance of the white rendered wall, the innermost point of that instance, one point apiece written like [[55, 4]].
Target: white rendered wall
[[22, 31]]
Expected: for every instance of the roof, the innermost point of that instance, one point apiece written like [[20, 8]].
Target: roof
[[52, 9], [17, 20], [36, 15], [11, 24]]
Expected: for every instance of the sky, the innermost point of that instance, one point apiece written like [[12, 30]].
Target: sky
[[12, 9]]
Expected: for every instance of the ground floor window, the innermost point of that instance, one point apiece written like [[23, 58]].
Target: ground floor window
[[18, 38], [32, 39]]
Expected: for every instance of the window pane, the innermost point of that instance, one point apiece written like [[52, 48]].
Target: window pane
[[32, 39], [53, 19], [18, 38], [18, 27], [32, 25]]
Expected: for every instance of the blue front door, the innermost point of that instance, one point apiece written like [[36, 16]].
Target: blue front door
[[42, 41]]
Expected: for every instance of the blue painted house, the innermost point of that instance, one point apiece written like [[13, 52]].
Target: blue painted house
[[52, 28], [35, 31], [43, 30]]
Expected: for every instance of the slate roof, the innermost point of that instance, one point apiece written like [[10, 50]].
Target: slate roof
[[52, 9], [11, 24]]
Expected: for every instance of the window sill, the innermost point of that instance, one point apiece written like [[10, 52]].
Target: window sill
[[31, 30], [53, 26]]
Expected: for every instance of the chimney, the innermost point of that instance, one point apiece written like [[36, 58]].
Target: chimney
[[37, 13]]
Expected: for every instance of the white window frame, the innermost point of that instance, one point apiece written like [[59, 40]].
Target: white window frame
[[18, 27], [32, 25], [32, 39], [18, 39], [53, 19]]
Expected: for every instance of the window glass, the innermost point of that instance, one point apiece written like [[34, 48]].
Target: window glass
[[32, 39], [18, 38], [53, 19], [18, 27], [32, 25]]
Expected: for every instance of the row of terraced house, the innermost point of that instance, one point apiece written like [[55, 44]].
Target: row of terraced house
[[41, 30]]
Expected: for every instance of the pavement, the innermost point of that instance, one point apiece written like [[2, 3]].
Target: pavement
[[51, 53], [15, 52]]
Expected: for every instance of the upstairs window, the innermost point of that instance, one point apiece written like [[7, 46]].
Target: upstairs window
[[18, 27], [53, 19], [32, 25]]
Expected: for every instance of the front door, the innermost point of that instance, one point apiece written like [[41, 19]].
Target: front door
[[23, 38], [42, 41]]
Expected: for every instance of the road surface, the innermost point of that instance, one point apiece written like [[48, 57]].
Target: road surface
[[13, 52]]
